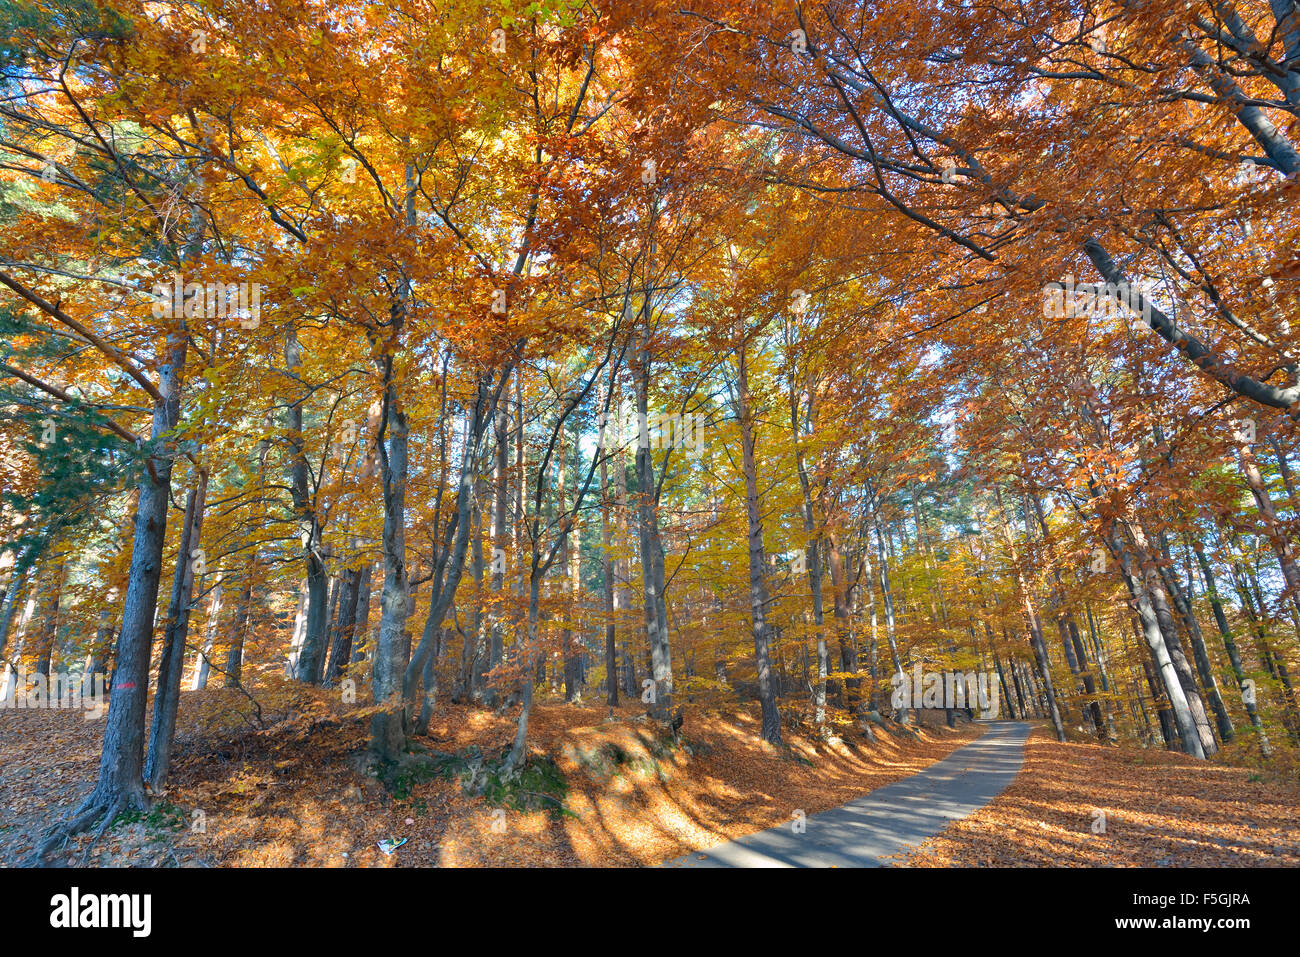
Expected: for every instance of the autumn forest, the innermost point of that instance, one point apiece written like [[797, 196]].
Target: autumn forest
[[443, 393]]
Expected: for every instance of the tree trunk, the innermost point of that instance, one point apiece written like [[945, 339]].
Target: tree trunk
[[361, 631], [120, 785], [341, 652], [609, 594], [172, 665], [496, 640], [47, 617], [234, 669], [1035, 624], [1281, 547], [1165, 618], [203, 663], [887, 595], [387, 736], [653, 572], [813, 560], [1229, 643], [1154, 636], [1183, 605], [758, 599]]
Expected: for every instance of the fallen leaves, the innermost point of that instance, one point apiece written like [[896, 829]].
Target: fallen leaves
[[1084, 805]]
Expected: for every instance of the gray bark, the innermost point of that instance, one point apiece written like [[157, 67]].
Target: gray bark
[[172, 664], [758, 598]]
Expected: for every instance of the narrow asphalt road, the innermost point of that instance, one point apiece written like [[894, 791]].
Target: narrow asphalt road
[[889, 820]]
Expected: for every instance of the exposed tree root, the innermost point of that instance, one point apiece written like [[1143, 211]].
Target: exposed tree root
[[93, 809]]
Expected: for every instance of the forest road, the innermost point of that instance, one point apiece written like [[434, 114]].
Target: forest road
[[888, 821]]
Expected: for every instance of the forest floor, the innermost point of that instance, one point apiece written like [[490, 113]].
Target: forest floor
[[1085, 805], [609, 792], [295, 793]]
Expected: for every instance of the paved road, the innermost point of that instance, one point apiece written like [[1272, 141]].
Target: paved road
[[889, 820]]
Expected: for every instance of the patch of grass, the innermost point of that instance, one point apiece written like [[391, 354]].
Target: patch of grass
[[538, 785], [162, 816], [401, 778]]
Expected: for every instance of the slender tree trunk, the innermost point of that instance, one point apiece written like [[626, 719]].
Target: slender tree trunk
[[361, 633], [1281, 547], [1035, 624], [312, 650], [496, 646], [758, 600], [239, 622], [172, 664], [203, 663], [298, 634], [653, 571], [429, 679], [1229, 643], [1165, 619], [121, 784], [1076, 656], [341, 652], [387, 735], [1154, 636], [813, 560], [887, 595], [1183, 605], [609, 593], [47, 617], [517, 755], [14, 598]]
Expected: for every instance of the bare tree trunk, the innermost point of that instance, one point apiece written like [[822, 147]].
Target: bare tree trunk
[[887, 594], [361, 633], [758, 599], [609, 592], [570, 586], [15, 594], [813, 559], [47, 617], [1165, 619], [387, 736], [238, 631], [341, 652], [307, 664], [473, 652], [1255, 612], [299, 633], [517, 755], [1035, 624], [1200, 655], [496, 646], [9, 680], [1076, 655], [172, 664], [120, 785], [1281, 547], [429, 680], [653, 572], [203, 663], [1229, 643], [1154, 636]]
